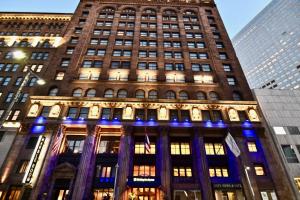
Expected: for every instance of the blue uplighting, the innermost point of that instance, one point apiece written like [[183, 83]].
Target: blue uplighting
[[247, 124], [38, 129], [40, 120], [208, 124], [249, 133]]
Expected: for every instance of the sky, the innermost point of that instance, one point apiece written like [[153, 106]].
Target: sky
[[235, 13]]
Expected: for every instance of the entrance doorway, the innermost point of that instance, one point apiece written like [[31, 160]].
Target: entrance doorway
[[229, 195]]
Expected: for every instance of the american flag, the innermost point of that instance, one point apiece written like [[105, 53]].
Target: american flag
[[147, 142], [57, 142]]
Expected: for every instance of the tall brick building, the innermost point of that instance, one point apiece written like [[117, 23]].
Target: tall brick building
[[117, 71]]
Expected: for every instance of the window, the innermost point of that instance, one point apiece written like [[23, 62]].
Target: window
[[279, 130], [231, 81], [1, 135], [201, 96], [109, 145], [251, 146], [59, 76], [122, 94], [9, 97], [259, 170], [213, 96], [105, 113], [91, 93], [77, 92], [83, 113], [218, 172], [182, 172], [183, 95], [15, 193], [15, 115], [70, 51], [74, 144], [139, 148], [152, 94], [23, 97], [289, 153], [143, 170], [109, 93], [18, 81], [293, 130], [45, 111], [223, 56], [53, 91], [140, 94], [214, 149], [219, 45], [180, 148], [22, 166], [236, 96], [65, 62], [227, 67], [5, 81]]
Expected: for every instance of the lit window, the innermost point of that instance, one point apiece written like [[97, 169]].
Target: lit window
[[259, 170], [214, 149], [22, 166], [15, 115], [182, 172], [297, 182], [59, 76], [218, 172], [143, 170], [77, 93], [279, 130], [74, 144], [252, 147], [139, 148], [180, 148]]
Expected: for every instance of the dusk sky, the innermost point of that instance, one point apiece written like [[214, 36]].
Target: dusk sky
[[236, 13]]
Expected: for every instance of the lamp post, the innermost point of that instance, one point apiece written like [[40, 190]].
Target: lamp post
[[19, 55], [246, 168], [115, 183]]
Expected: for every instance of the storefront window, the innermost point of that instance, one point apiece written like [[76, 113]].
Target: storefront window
[[103, 194], [144, 170], [229, 194]]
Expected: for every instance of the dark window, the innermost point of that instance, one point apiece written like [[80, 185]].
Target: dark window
[[289, 154], [117, 114], [185, 115], [83, 113], [152, 114], [140, 114], [243, 116], [217, 115], [174, 115], [72, 113], [106, 113], [293, 130], [45, 111], [31, 142], [205, 115]]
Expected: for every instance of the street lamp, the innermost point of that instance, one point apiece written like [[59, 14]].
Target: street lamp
[[20, 55]]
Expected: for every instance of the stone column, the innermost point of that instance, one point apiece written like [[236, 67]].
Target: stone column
[[201, 166], [164, 161], [124, 159], [84, 166]]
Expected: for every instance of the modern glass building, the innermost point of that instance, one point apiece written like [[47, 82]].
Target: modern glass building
[[269, 47]]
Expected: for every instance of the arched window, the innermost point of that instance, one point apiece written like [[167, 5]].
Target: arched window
[[170, 95], [128, 10], [213, 96], [140, 94], [108, 9], [53, 91], [237, 96], [122, 93], [183, 95], [189, 12], [152, 94], [109, 93], [91, 93], [201, 95], [169, 12], [77, 92], [149, 11]]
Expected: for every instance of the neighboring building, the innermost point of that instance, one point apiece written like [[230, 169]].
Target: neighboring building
[[269, 47], [116, 71], [281, 110]]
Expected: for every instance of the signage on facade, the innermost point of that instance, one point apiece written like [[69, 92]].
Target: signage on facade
[[226, 185], [34, 159]]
